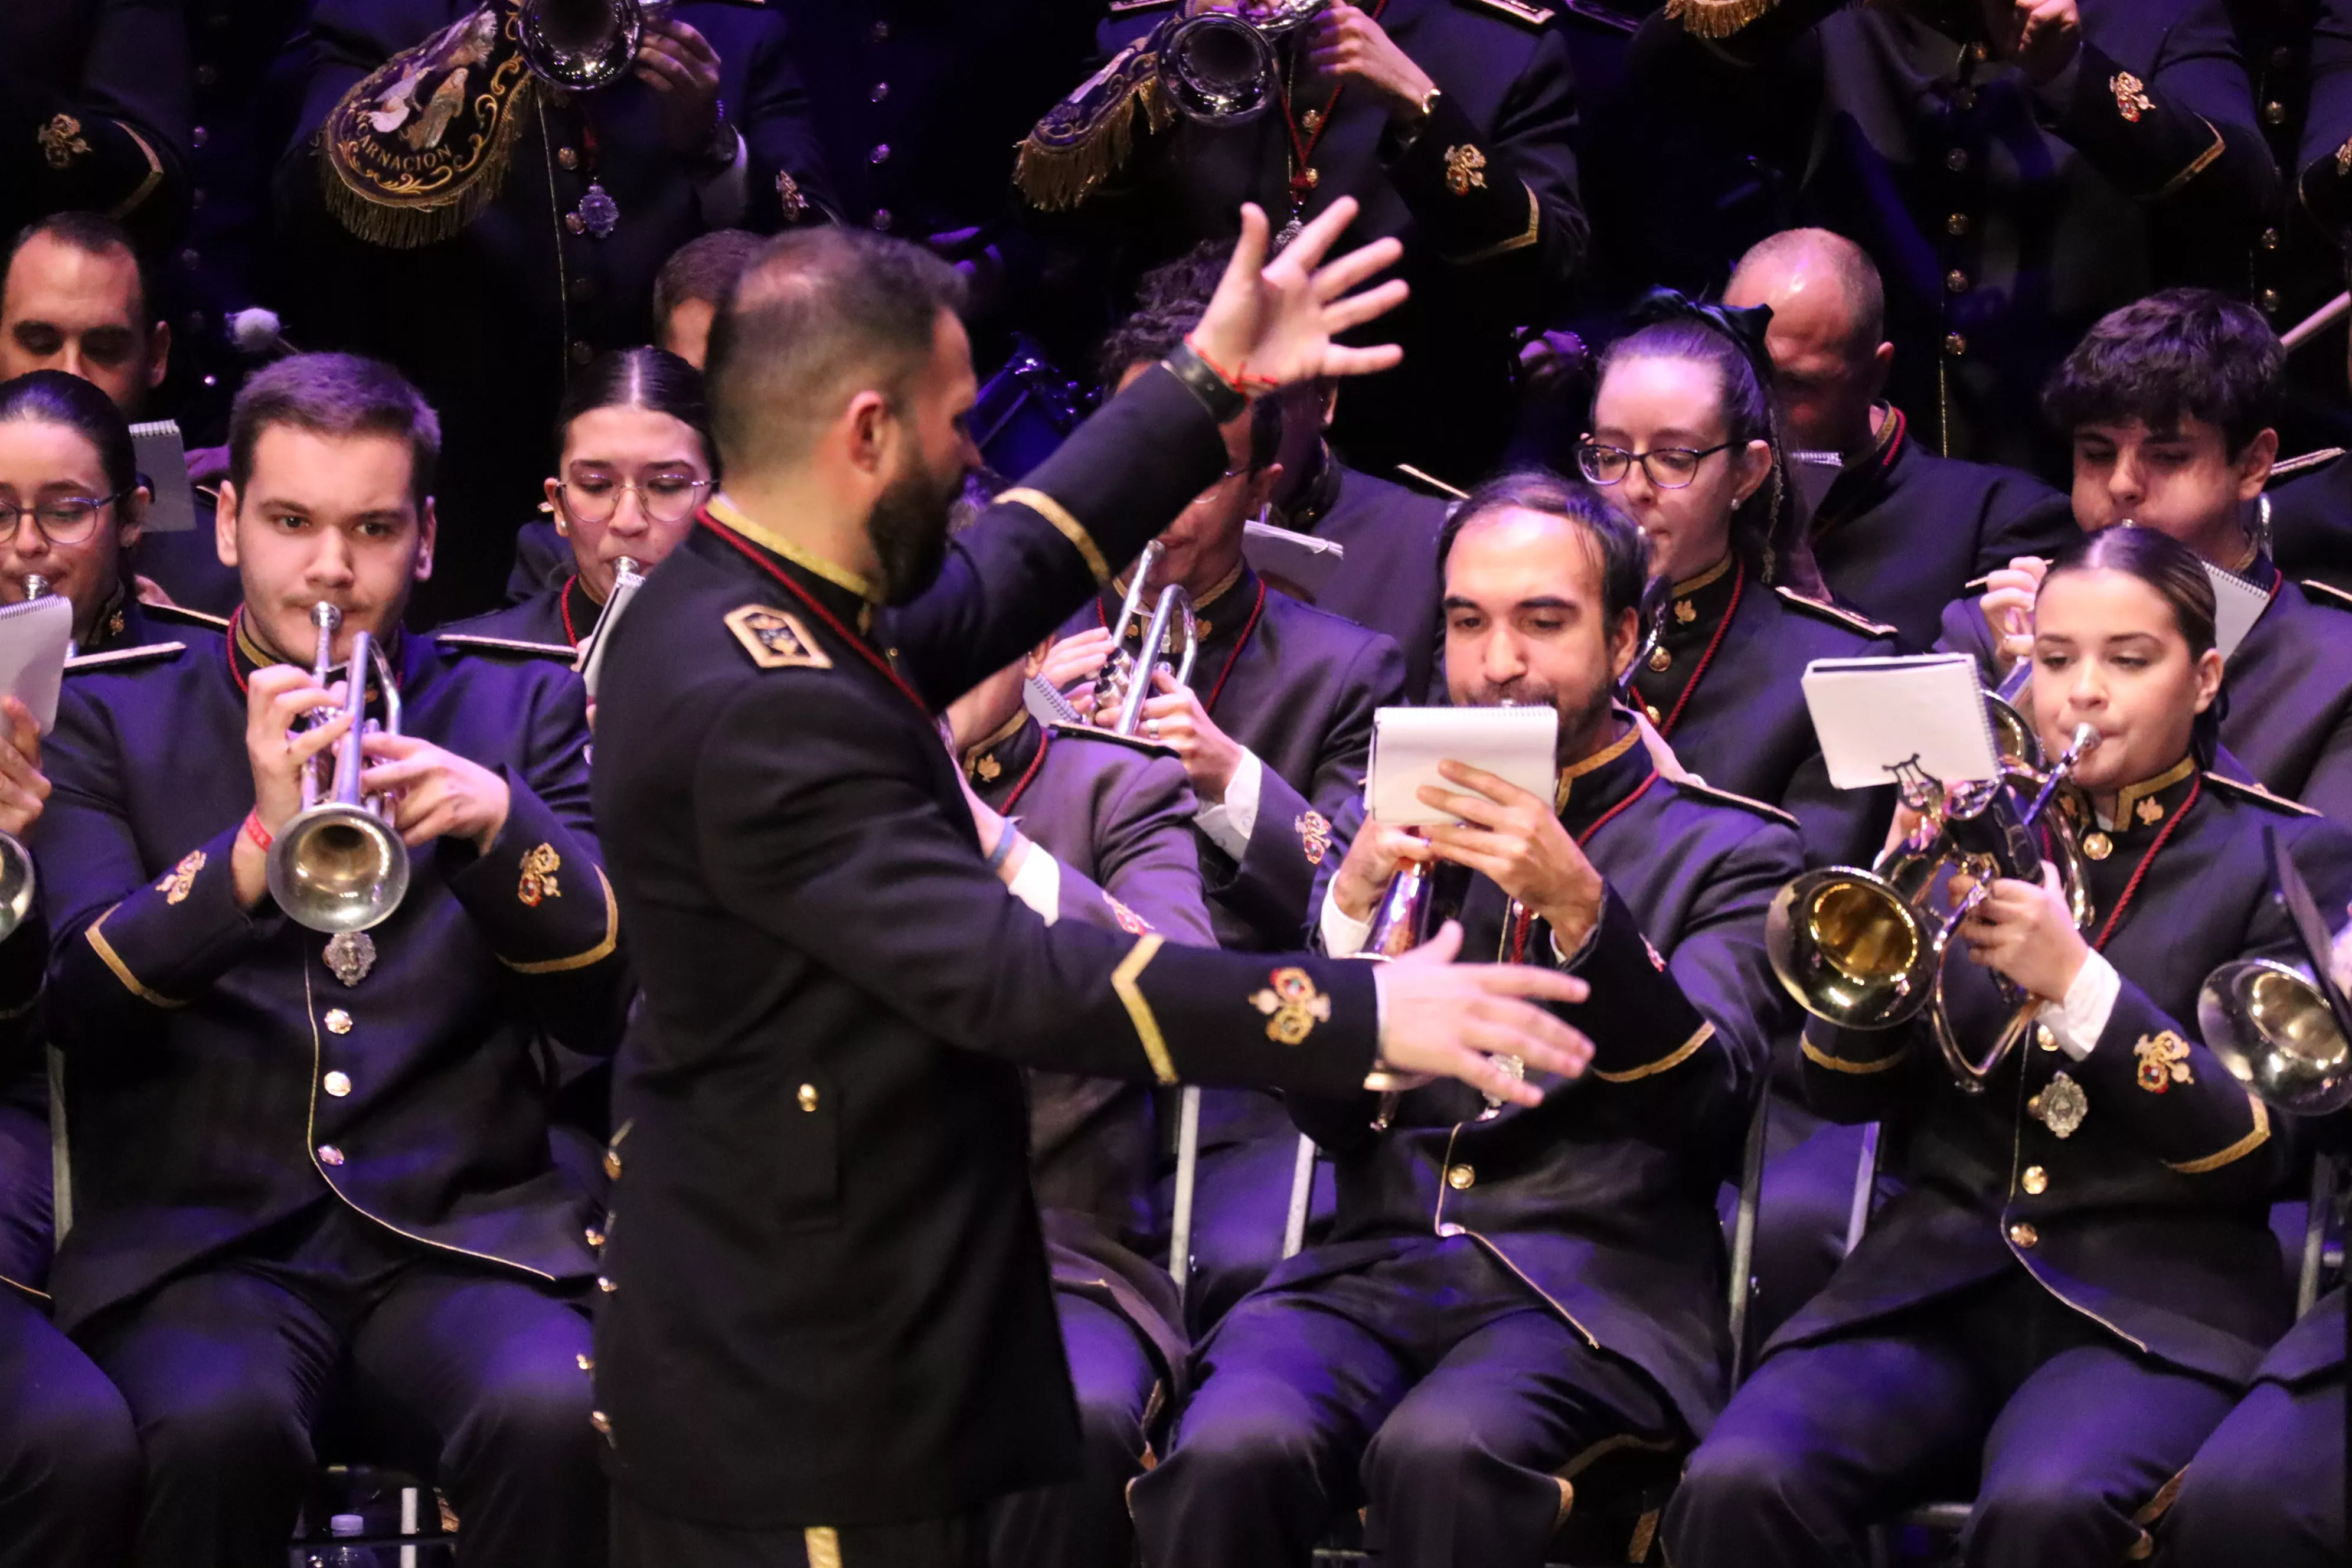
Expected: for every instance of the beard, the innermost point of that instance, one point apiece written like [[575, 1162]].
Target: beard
[[1580, 712], [910, 528]]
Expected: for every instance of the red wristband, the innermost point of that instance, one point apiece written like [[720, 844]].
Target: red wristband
[[262, 837]]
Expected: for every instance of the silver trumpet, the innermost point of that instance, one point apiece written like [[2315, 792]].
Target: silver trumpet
[[2275, 1025], [340, 865], [580, 45], [1125, 682], [590, 658], [1220, 65]]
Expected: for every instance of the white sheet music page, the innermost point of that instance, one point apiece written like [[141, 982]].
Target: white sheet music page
[[1874, 715]]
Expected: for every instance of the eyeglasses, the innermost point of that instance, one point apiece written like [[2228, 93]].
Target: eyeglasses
[[665, 497], [1669, 468], [68, 519]]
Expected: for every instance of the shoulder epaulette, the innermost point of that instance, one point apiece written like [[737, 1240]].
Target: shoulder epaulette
[[204, 618], [2258, 794], [1705, 790], [472, 642], [1516, 10], [1095, 732], [2304, 462], [116, 659], [2326, 594], [1608, 16], [1837, 615], [776, 639], [1129, 7]]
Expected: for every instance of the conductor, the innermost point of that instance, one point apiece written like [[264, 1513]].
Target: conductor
[[828, 1333]]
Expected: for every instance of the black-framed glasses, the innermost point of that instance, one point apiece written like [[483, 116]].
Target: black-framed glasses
[[663, 498], [66, 519], [1669, 468]]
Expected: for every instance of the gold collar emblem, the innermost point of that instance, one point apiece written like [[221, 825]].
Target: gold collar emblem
[[2149, 811], [988, 768]]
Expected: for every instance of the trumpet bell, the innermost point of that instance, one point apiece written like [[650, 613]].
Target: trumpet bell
[[337, 866], [2271, 1027], [579, 45], [1850, 949], [1218, 68], [17, 883]]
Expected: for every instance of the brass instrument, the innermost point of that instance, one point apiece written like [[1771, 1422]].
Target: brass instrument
[[1865, 950], [579, 45], [589, 660], [340, 865], [2282, 1029], [18, 882], [1125, 682], [36, 587], [1220, 67]]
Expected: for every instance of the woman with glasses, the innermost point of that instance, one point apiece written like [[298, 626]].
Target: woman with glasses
[[1683, 444], [634, 461]]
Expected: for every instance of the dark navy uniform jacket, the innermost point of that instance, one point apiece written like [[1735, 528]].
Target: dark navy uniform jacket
[[94, 114], [1723, 688], [220, 1076], [2005, 221], [831, 1302], [2287, 690], [1485, 201], [1119, 821], [2151, 1216], [1602, 1199], [560, 617], [1901, 533], [2310, 522], [519, 288], [1388, 580]]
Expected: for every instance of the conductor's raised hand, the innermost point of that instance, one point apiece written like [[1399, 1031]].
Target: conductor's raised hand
[[1272, 323], [1441, 1019]]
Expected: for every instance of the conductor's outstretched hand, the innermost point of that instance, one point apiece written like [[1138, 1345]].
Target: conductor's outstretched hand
[[1443, 1019], [1271, 323]]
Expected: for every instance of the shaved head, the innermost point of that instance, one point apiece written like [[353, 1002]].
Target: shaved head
[[1812, 271], [1830, 362]]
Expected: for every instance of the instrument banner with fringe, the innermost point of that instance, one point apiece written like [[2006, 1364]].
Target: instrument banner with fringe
[[416, 150], [1090, 134]]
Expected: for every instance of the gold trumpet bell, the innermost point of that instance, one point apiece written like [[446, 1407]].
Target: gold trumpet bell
[[1850, 949], [2272, 1028]]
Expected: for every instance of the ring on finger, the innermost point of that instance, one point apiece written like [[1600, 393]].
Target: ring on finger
[[1152, 728]]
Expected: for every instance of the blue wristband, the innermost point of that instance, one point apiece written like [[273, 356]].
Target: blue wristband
[[1003, 850]]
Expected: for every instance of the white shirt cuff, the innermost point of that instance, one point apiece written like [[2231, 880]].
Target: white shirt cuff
[[1343, 934], [1230, 822], [2077, 1022], [723, 197], [1038, 883]]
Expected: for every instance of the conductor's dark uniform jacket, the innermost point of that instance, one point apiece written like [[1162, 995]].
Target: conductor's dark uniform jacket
[[222, 1076], [830, 1301]]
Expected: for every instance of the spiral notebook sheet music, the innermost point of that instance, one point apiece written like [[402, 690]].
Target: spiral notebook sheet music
[[2237, 606], [1874, 715], [34, 638], [163, 457], [1516, 744]]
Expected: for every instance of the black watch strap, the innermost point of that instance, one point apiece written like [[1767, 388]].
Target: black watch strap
[[1224, 400]]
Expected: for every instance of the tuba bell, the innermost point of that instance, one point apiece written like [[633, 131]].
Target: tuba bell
[[2282, 1028], [1220, 67], [340, 865], [579, 45], [1864, 948]]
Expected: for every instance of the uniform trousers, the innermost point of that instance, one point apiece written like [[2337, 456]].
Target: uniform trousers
[[2064, 1435], [1803, 1209], [1083, 1523], [1241, 1208], [1434, 1388], [69, 1457], [472, 1375], [2268, 1485]]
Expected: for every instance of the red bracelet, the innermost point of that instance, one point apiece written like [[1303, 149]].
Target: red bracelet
[[1239, 379], [262, 837]]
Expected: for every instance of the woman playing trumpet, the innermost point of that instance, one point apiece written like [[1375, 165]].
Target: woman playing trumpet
[[2078, 1279]]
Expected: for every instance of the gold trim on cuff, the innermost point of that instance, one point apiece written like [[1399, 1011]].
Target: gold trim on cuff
[[1147, 1028], [596, 954], [1517, 241], [1838, 1064], [822, 1544], [1673, 1059], [113, 960], [2196, 165], [1067, 526], [130, 204], [2235, 1152]]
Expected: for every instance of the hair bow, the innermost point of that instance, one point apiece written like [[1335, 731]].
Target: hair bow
[[1743, 324]]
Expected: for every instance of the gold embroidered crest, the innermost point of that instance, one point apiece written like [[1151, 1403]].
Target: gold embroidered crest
[[539, 868], [2163, 1061], [181, 877], [788, 193], [1314, 837], [2131, 95], [61, 141], [2148, 812], [1293, 1007], [2344, 158], [1685, 612], [988, 768], [1466, 170], [1128, 920], [776, 640]]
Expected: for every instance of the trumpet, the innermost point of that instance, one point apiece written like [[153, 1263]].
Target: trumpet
[[1864, 948], [339, 865], [1125, 682], [1220, 68], [19, 883], [579, 45], [590, 658]]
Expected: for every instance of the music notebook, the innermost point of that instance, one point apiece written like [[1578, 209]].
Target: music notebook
[[34, 636], [163, 457], [1516, 744], [1298, 563], [1874, 715], [2237, 606]]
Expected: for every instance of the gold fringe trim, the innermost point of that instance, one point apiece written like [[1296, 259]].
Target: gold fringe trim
[[407, 223], [1055, 179], [1716, 18]]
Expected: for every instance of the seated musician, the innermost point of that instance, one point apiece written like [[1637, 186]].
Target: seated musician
[[69, 1455], [633, 461], [313, 1168], [1505, 1291], [1116, 824], [692, 283], [1274, 731], [2077, 1281], [1685, 445], [1898, 530], [2169, 404]]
